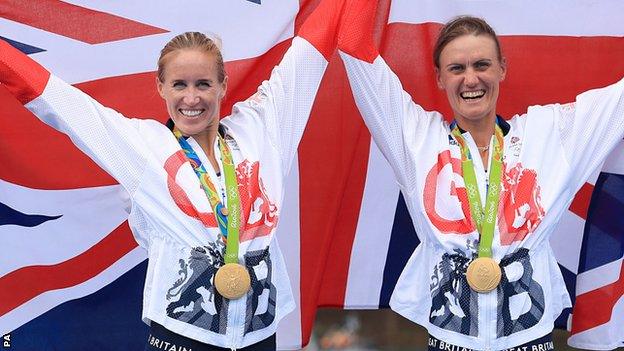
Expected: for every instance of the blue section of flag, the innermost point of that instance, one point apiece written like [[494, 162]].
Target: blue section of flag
[[25, 48], [255, 1], [603, 239], [403, 241], [9, 215], [570, 281], [109, 319]]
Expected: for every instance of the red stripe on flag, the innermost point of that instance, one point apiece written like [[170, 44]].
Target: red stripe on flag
[[80, 23], [15, 291], [31, 151], [245, 76], [595, 307], [333, 160], [333, 157], [581, 201]]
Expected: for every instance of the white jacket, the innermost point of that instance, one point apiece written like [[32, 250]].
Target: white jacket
[[169, 213], [549, 152]]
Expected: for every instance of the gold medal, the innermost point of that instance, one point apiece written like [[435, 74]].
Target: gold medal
[[224, 211], [232, 281], [483, 274]]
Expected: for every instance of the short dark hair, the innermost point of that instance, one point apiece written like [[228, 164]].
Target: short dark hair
[[463, 25]]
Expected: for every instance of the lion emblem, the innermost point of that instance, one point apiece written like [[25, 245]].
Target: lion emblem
[[193, 295]]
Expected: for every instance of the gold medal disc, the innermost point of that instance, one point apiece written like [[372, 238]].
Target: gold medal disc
[[232, 281], [483, 274]]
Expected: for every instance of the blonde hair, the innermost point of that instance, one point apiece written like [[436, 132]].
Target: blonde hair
[[192, 40]]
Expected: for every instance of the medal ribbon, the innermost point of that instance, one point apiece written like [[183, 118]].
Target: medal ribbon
[[227, 218], [485, 218]]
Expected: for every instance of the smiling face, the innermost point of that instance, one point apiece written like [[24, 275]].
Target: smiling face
[[470, 72], [191, 89]]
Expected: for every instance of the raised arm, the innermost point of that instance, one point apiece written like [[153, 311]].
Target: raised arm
[[103, 134], [590, 128], [283, 102], [393, 119]]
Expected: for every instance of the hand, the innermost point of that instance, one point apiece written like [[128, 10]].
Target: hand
[[321, 28], [356, 30]]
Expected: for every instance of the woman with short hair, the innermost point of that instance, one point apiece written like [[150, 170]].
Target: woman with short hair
[[484, 193]]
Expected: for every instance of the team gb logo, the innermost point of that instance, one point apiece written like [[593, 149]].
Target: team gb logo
[[447, 207], [259, 212]]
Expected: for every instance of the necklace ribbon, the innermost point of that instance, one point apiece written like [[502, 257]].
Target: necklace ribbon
[[228, 217], [485, 218]]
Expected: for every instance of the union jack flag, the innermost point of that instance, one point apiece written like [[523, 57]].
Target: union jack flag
[[71, 274]]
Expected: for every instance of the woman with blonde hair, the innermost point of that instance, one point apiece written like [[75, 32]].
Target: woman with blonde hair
[[205, 194]]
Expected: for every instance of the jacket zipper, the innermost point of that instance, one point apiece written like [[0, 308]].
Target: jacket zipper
[[236, 329], [491, 299]]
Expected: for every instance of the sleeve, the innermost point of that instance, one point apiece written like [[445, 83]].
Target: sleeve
[[106, 136], [590, 128], [398, 125], [283, 102]]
